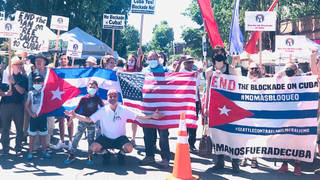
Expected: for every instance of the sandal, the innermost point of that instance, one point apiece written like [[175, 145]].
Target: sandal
[[254, 164], [243, 162]]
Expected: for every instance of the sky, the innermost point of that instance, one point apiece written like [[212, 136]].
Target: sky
[[169, 10]]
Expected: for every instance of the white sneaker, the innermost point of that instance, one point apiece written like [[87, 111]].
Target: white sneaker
[[69, 147], [59, 145]]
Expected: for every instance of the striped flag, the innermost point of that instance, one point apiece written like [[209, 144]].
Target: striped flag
[[269, 117], [170, 93], [63, 88], [235, 37]]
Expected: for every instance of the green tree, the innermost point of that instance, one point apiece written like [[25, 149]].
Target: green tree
[[85, 14], [162, 37], [193, 39], [129, 41]]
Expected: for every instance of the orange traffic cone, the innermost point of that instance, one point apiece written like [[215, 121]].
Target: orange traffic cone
[[182, 165]]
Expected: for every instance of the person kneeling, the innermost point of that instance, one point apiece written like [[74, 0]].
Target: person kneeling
[[113, 118]]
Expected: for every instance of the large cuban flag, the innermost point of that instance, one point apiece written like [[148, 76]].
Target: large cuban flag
[[268, 117], [64, 88]]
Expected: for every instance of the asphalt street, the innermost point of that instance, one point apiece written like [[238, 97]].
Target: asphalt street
[[13, 166]]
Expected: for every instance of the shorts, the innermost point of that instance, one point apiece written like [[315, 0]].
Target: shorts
[[108, 143], [38, 126]]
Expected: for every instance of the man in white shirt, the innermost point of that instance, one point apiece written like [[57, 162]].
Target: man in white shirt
[[113, 118]]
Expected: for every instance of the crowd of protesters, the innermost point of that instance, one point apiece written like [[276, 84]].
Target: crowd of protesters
[[104, 124]]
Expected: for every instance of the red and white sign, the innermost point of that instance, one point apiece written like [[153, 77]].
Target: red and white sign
[[8, 29], [74, 49], [59, 23], [291, 45], [260, 21]]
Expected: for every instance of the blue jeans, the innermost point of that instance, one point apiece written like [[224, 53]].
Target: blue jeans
[[149, 138]]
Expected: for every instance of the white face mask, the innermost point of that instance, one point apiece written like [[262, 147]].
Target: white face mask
[[91, 91], [37, 87], [153, 63]]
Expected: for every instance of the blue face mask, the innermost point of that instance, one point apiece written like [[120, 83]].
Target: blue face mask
[[91, 91], [37, 87], [153, 63]]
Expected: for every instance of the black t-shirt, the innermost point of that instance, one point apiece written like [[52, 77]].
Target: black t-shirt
[[16, 97], [89, 105]]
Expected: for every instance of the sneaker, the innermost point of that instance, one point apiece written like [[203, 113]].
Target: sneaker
[[147, 161], [89, 160], [317, 171], [29, 157], [164, 164], [243, 162], [46, 155], [59, 145], [297, 170], [121, 158], [283, 168], [69, 146], [106, 158], [219, 164], [69, 159]]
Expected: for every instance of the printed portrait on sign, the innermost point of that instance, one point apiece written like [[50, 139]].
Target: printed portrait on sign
[[289, 42], [75, 47], [60, 20], [8, 26], [260, 18]]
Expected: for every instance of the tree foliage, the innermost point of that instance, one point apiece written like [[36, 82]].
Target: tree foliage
[[85, 14], [162, 37], [129, 42], [223, 9]]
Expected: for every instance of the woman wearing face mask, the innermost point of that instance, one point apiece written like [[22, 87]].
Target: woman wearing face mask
[[162, 59], [134, 65], [219, 66]]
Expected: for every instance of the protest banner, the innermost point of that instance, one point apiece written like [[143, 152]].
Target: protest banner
[[290, 45], [74, 49], [269, 117], [30, 28], [260, 21], [113, 21], [2, 15], [143, 6], [59, 23], [8, 29]]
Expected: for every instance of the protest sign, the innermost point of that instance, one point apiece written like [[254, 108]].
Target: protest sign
[[74, 49], [260, 21], [30, 28], [295, 44], [269, 117], [143, 6], [2, 15], [113, 21], [59, 23], [8, 29]]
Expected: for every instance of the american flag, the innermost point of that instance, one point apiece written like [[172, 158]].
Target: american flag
[[170, 93]]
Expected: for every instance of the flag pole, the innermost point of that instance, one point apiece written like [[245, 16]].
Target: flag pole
[[55, 53], [260, 48], [141, 29], [72, 63], [10, 66], [112, 42]]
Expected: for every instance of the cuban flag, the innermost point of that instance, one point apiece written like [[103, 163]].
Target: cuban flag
[[268, 117], [63, 88]]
